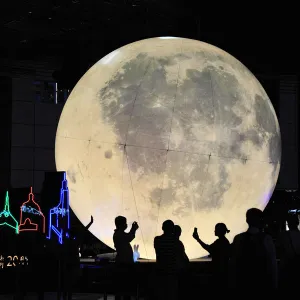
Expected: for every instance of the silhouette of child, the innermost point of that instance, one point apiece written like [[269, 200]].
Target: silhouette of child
[[122, 240], [124, 256], [182, 258]]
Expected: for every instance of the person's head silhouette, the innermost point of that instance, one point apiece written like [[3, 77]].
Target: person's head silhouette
[[254, 217], [293, 222], [221, 230], [121, 223], [168, 227], [177, 231]]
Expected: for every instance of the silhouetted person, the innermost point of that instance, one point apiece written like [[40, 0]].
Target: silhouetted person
[[182, 258], [289, 245], [182, 263], [70, 262], [219, 251], [253, 261], [122, 240], [124, 256], [166, 249]]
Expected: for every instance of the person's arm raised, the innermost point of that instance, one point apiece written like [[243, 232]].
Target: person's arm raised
[[89, 225], [131, 234], [203, 245]]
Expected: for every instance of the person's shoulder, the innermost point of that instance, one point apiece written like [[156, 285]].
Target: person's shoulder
[[117, 233], [239, 236], [267, 237], [180, 243], [160, 236], [157, 238], [226, 242]]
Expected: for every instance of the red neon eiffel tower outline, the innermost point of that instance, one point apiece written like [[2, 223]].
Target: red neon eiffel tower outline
[[31, 198]]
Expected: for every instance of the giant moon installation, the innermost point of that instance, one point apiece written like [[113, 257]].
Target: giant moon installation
[[168, 128]]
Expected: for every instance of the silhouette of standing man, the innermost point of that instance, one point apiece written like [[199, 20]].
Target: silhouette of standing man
[[124, 257], [167, 248], [289, 245], [253, 262]]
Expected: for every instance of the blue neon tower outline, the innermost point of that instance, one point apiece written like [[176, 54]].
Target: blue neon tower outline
[[6, 215], [59, 216]]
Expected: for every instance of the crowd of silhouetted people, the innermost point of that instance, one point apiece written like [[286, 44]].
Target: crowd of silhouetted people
[[250, 261]]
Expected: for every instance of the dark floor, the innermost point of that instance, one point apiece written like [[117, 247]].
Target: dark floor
[[52, 296]]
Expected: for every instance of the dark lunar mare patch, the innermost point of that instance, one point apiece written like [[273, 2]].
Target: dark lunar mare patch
[[206, 93], [267, 123], [72, 175]]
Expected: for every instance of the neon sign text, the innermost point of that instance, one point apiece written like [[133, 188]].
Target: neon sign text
[[12, 261], [30, 210], [60, 211]]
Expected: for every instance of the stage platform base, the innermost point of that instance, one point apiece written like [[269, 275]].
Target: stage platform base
[[52, 296]]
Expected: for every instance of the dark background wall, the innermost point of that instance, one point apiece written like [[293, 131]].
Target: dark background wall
[[34, 120], [5, 130]]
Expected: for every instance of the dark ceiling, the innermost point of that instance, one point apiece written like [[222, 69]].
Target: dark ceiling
[[80, 32]]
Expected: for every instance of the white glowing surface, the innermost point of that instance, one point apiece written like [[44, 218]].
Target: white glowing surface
[[203, 142], [167, 37], [108, 58]]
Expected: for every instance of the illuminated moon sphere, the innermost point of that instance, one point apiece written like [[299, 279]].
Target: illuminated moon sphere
[[168, 128]]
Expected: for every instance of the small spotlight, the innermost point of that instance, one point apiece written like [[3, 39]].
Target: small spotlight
[[30, 12], [49, 18]]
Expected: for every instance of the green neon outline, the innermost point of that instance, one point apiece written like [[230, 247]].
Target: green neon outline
[[6, 212]]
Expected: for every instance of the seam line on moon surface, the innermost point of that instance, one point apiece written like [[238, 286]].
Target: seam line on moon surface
[[125, 152], [167, 150], [136, 95], [123, 158], [162, 185], [170, 150], [212, 95], [204, 185], [237, 194], [175, 98]]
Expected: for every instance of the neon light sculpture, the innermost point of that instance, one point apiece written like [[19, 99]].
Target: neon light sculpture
[[136, 254], [31, 216], [294, 211], [6, 218], [59, 217]]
